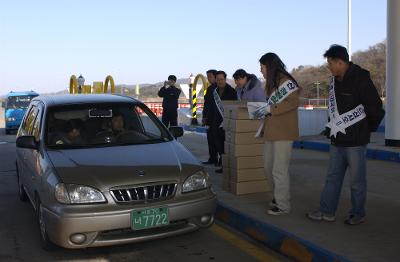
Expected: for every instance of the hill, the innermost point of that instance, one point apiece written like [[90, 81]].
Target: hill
[[373, 59]]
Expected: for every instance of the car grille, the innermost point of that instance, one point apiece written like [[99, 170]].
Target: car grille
[[144, 193]]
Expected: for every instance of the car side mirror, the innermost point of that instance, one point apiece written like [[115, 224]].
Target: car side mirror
[[27, 142], [176, 131]]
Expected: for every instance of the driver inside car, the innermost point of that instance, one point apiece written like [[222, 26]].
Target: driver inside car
[[114, 131], [117, 124]]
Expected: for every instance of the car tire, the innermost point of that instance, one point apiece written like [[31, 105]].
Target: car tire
[[45, 241], [8, 132], [21, 190]]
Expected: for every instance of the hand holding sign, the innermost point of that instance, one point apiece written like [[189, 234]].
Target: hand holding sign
[[257, 110]]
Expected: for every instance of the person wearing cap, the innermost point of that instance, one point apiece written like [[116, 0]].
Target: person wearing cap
[[170, 95]]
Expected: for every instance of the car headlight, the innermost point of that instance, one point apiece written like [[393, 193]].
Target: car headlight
[[77, 194], [10, 119], [195, 182]]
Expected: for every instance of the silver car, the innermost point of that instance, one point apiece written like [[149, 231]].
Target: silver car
[[103, 170]]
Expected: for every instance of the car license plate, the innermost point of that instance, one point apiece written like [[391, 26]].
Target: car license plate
[[149, 218]]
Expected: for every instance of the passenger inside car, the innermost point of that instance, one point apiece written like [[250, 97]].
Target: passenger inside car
[[71, 134]]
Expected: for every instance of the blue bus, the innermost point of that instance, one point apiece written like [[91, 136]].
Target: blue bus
[[15, 106]]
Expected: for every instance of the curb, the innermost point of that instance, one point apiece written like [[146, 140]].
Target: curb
[[374, 154], [277, 239]]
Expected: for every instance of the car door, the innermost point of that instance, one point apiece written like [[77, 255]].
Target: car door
[[24, 130], [34, 159], [37, 163], [29, 155]]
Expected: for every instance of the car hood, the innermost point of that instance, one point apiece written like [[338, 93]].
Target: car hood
[[107, 167]]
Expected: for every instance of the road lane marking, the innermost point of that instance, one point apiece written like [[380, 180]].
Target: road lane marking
[[246, 246]]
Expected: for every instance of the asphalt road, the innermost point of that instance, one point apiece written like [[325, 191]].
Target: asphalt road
[[19, 234]]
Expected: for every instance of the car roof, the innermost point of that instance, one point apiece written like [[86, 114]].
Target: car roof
[[71, 99]]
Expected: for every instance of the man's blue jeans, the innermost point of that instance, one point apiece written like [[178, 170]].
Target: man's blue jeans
[[341, 159]]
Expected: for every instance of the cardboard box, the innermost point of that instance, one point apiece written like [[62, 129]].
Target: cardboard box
[[239, 103], [226, 185], [242, 138], [236, 112], [242, 162], [226, 174], [257, 186], [244, 150], [242, 125], [242, 175]]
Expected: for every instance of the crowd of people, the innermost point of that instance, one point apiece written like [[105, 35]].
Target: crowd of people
[[355, 110]]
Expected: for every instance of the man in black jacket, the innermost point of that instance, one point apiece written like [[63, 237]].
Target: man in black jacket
[[170, 95], [225, 92], [208, 117], [355, 110]]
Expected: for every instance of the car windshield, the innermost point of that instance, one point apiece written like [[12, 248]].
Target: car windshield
[[19, 101], [84, 126]]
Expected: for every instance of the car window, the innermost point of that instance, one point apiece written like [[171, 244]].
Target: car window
[[29, 120], [23, 124], [103, 125], [36, 124], [149, 126]]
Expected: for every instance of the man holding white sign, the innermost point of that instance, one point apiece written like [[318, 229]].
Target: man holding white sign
[[355, 110]]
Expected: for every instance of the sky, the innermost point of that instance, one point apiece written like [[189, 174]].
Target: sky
[[43, 43]]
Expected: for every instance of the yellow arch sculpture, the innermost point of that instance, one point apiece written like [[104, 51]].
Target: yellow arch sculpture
[[108, 80], [204, 80]]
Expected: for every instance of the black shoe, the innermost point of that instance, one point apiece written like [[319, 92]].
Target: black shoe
[[275, 211], [219, 171], [208, 162], [354, 220]]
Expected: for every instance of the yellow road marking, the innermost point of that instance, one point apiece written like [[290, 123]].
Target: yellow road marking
[[242, 244]]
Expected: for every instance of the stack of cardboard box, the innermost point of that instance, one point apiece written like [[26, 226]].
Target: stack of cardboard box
[[243, 164]]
